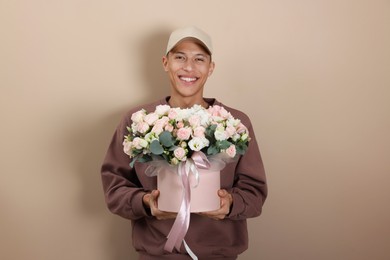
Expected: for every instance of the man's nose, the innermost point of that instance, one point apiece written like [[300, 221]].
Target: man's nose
[[188, 65]]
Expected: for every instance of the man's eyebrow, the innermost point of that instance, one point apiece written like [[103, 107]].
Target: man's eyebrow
[[196, 54]]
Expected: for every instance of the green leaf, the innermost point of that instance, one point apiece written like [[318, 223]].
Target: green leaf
[[172, 148], [212, 150], [132, 162], [223, 144], [166, 139], [210, 130], [241, 148], [166, 157], [145, 158], [156, 148]]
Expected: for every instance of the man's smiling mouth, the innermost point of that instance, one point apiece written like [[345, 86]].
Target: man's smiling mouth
[[188, 79]]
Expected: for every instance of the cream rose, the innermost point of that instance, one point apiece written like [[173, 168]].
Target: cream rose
[[180, 154]]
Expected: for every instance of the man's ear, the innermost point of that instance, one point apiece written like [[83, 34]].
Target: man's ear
[[165, 62], [211, 69]]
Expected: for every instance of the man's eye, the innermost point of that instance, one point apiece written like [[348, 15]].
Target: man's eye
[[179, 58]]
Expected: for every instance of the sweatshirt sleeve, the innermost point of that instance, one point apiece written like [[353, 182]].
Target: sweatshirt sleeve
[[250, 189], [122, 189]]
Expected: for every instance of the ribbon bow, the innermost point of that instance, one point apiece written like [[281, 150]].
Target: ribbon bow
[[182, 221]]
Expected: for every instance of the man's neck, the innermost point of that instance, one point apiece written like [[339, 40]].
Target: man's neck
[[186, 102]]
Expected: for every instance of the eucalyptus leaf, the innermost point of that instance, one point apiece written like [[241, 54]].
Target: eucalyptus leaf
[[172, 148], [166, 139], [156, 148], [241, 148], [210, 130], [132, 162], [223, 144], [145, 158], [212, 150]]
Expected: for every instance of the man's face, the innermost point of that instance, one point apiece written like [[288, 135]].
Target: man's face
[[188, 67]]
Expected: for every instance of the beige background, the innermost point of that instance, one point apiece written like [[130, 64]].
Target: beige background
[[313, 75]]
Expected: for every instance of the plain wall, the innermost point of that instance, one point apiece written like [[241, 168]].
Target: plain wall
[[314, 76]]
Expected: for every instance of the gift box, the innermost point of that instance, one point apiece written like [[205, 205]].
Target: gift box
[[204, 191]]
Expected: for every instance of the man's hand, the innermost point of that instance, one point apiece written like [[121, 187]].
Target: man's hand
[[150, 201], [224, 210]]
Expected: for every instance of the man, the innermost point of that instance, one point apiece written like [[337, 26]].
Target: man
[[219, 234]]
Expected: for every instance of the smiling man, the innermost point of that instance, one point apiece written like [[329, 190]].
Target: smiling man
[[130, 193], [188, 64]]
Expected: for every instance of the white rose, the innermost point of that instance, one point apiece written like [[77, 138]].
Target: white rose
[[162, 110], [139, 143], [198, 143], [138, 116], [127, 147], [233, 122], [235, 137], [244, 137], [220, 133], [174, 161], [204, 117], [149, 137]]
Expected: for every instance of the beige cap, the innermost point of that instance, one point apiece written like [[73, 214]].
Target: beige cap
[[189, 32]]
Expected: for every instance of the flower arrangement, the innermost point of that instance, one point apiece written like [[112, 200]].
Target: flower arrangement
[[174, 134]]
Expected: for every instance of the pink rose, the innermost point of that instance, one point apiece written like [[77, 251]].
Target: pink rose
[[142, 127], [172, 113], [180, 154], [157, 129], [194, 120], [241, 128], [184, 133], [231, 151], [224, 113], [180, 124], [159, 125], [151, 118], [219, 112], [199, 131], [230, 130], [169, 128], [214, 110]]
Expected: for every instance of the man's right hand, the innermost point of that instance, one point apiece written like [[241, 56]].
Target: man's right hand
[[150, 201]]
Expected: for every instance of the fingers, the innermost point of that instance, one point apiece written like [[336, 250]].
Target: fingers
[[222, 193], [153, 198], [160, 215], [221, 213], [226, 201]]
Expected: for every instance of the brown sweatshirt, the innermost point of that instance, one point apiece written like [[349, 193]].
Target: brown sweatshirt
[[124, 188]]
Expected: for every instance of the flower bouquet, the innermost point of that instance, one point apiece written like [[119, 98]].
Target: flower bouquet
[[195, 143], [185, 141], [175, 134]]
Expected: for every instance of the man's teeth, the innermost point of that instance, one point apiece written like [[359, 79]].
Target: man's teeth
[[187, 79]]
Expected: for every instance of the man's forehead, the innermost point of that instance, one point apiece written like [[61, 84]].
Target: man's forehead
[[189, 46]]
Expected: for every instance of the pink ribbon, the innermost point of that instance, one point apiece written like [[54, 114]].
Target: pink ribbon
[[182, 221]]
